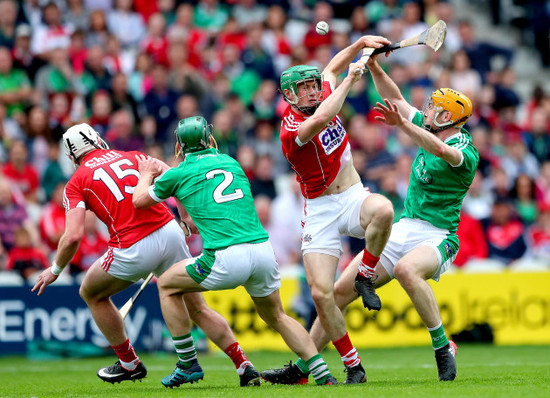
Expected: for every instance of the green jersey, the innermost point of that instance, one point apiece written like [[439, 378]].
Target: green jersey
[[437, 189], [216, 193]]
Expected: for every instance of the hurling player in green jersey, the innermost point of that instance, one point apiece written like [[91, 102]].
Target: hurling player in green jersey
[[423, 243], [213, 190]]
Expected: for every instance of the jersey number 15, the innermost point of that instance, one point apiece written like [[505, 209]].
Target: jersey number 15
[[102, 175]]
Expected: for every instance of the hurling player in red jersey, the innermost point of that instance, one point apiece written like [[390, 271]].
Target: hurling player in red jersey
[[315, 144], [141, 241]]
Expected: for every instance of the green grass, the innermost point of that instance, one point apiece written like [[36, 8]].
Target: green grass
[[483, 371]]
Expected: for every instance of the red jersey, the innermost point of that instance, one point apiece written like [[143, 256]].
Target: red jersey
[[104, 183], [318, 162]]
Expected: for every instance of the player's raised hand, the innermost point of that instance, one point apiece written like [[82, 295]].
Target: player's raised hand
[[44, 279], [390, 113], [356, 70], [149, 166], [374, 41]]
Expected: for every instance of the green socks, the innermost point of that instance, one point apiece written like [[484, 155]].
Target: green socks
[[185, 348], [439, 339]]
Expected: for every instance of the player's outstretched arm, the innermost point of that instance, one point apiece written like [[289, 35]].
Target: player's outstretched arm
[[340, 61], [392, 117], [68, 245], [386, 87], [330, 106]]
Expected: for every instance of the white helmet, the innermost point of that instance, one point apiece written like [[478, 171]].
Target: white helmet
[[81, 139]]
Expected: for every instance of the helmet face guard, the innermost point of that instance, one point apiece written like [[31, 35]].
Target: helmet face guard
[[193, 134], [293, 77], [80, 139], [446, 99]]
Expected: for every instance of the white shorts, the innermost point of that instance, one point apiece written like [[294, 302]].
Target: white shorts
[[155, 253], [328, 217], [408, 234], [251, 265]]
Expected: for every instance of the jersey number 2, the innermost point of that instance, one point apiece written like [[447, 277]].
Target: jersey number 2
[[110, 183], [218, 196]]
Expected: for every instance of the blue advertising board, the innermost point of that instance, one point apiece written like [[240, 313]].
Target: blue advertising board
[[60, 315]]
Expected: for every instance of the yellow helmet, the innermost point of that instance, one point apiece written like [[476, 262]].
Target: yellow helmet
[[446, 99]]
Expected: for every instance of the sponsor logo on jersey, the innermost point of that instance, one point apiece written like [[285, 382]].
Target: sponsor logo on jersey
[[332, 136], [421, 172], [306, 238], [100, 160]]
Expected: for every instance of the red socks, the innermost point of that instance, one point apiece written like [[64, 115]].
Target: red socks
[[368, 264]]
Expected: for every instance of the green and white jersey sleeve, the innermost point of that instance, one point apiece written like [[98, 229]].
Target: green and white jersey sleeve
[[437, 189], [216, 193]]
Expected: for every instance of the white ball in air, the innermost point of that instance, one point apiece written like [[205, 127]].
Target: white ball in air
[[322, 28]]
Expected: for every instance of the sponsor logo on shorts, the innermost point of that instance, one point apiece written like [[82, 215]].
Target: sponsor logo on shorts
[[448, 250], [306, 238], [199, 269]]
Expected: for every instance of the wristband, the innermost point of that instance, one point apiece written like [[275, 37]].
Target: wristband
[[186, 229], [56, 269]]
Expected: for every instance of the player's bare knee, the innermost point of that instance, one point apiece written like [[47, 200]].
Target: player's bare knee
[[322, 297], [404, 273], [383, 217]]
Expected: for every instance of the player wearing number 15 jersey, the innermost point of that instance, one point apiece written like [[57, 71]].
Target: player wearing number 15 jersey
[[141, 242], [216, 193]]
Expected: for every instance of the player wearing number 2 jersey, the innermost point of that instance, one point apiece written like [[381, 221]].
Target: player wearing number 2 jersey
[[214, 190], [141, 242]]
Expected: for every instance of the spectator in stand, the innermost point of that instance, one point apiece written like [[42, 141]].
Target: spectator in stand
[[481, 53], [183, 77], [121, 99], [246, 156], [478, 202], [101, 111], [248, 12], [463, 77], [148, 130], [140, 80], [52, 33], [92, 246], [21, 52], [263, 182], [21, 172], [52, 220], [155, 42], [254, 55], [360, 24], [523, 194], [120, 136], [210, 15], [8, 18], [15, 87], [78, 52], [518, 159], [322, 11], [77, 14], [539, 235], [53, 173], [224, 133], [38, 133], [473, 244], [242, 121], [24, 257], [160, 101], [98, 32], [274, 39], [9, 131], [543, 183], [167, 9], [504, 232], [184, 29], [265, 100], [127, 25], [12, 216], [95, 67], [538, 137]]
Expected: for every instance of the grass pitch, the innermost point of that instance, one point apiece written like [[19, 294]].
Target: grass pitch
[[483, 371]]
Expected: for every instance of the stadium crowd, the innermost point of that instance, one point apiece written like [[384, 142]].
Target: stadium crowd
[[132, 69]]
